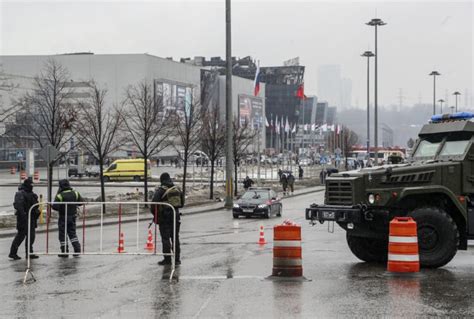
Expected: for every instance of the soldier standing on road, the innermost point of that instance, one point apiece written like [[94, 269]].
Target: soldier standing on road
[[168, 193], [291, 182], [67, 223], [24, 200], [248, 182], [284, 183]]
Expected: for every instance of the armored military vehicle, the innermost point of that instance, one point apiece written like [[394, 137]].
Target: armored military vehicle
[[435, 187]]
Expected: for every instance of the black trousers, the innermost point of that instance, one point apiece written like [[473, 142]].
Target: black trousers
[[71, 233], [166, 233], [22, 234]]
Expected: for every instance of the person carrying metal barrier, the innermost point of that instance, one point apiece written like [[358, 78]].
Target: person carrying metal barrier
[[67, 217], [163, 216], [24, 200]]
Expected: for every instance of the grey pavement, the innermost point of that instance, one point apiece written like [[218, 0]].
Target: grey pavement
[[224, 274]]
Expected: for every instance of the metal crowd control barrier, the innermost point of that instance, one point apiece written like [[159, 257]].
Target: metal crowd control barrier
[[101, 225]]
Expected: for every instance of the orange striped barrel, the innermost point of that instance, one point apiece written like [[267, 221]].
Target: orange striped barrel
[[23, 175], [13, 170], [403, 253], [287, 258], [36, 176]]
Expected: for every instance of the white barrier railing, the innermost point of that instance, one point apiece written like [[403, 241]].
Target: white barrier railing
[[101, 237]]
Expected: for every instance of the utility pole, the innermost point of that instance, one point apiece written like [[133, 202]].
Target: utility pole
[[376, 23], [434, 74], [456, 94], [368, 54], [229, 169]]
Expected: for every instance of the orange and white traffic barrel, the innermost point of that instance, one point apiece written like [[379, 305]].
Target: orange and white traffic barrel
[[23, 175], [287, 257], [36, 176], [13, 170], [403, 253]]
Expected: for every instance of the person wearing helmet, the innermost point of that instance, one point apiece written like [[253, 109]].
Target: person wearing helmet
[[67, 217]]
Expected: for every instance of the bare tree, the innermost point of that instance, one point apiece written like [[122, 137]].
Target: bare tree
[[145, 121], [213, 140], [244, 136], [50, 110], [6, 86], [188, 126], [97, 128]]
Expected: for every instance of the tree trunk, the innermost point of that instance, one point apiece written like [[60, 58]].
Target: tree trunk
[[50, 182], [235, 179], [102, 184], [185, 170], [211, 186], [146, 178]]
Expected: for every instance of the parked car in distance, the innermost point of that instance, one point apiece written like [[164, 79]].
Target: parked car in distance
[[93, 171], [74, 171], [258, 201], [127, 169]]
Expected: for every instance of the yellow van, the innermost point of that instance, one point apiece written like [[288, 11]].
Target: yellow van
[[127, 169]]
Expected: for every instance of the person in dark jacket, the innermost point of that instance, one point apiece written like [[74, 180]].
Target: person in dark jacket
[[291, 182], [284, 183], [163, 216], [248, 182], [24, 200], [67, 217], [300, 172]]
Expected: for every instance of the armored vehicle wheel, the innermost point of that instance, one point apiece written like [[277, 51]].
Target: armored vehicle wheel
[[368, 249], [438, 236]]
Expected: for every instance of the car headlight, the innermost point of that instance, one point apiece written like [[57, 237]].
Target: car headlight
[[236, 206], [371, 198], [262, 206]]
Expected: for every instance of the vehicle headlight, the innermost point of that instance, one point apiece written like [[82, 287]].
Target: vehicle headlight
[[371, 198], [262, 206], [236, 206]]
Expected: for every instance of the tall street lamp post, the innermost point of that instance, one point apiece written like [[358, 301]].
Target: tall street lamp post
[[228, 108], [376, 23], [441, 101], [434, 74], [368, 54], [456, 94]]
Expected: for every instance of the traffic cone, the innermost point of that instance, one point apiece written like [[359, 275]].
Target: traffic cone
[[149, 244], [121, 248], [261, 240]]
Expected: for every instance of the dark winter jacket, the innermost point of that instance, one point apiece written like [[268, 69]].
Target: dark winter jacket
[[248, 182], [291, 179], [164, 213], [24, 200], [66, 195]]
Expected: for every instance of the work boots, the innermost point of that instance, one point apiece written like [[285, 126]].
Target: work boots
[[77, 249], [64, 251]]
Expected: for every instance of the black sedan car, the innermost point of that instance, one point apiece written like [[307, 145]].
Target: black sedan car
[[258, 201]]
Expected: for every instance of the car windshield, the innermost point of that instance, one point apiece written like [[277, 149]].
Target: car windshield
[[452, 148], [427, 148], [256, 195]]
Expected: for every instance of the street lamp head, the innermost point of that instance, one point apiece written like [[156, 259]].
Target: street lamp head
[[435, 73], [456, 93], [441, 101], [376, 22], [368, 54]]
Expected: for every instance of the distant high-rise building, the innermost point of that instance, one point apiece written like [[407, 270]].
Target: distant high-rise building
[[321, 112], [331, 116], [329, 84]]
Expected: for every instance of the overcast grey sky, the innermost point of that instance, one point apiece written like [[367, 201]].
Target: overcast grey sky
[[419, 37]]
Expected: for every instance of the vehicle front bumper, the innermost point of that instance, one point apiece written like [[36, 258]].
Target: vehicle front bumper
[[255, 212], [340, 214]]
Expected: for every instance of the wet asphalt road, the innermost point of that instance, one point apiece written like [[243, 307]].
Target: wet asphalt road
[[223, 275]]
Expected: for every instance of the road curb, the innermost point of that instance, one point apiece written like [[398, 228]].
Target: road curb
[[95, 223]]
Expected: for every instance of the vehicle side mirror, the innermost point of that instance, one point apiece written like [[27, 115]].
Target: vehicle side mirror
[[274, 198]]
